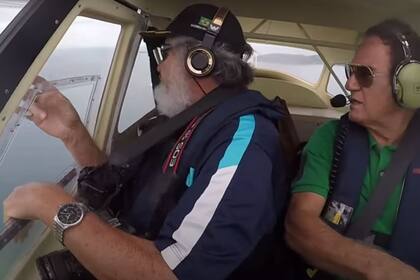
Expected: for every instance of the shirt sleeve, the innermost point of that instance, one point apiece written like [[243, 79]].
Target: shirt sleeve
[[226, 210], [316, 161]]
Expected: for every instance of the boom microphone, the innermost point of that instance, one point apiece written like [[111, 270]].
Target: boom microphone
[[340, 100]]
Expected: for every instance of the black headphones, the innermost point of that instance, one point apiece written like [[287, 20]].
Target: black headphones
[[200, 60], [406, 79]]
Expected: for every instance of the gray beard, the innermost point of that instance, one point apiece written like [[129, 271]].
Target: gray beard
[[171, 102], [174, 97]]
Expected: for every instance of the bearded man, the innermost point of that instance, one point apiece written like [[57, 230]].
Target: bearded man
[[228, 171]]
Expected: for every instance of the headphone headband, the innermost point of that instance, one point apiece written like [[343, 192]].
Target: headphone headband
[[405, 45], [214, 27], [217, 21]]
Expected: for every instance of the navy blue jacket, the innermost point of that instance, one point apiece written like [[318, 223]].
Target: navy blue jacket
[[230, 202]]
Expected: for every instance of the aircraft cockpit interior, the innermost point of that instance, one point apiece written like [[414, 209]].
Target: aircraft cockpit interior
[[93, 52]]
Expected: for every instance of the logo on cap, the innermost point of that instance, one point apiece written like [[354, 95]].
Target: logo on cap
[[205, 22], [214, 28]]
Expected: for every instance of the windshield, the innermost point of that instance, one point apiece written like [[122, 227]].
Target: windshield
[[302, 63]]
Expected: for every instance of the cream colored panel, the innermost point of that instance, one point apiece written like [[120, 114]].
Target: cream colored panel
[[281, 28], [283, 43], [294, 93], [334, 55], [248, 24], [331, 34]]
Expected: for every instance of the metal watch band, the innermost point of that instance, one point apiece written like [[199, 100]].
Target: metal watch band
[[59, 228], [58, 232]]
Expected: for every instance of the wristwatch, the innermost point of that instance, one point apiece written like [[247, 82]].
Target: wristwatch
[[68, 215]]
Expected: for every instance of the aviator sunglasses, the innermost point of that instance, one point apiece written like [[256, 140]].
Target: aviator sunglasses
[[364, 74], [161, 53]]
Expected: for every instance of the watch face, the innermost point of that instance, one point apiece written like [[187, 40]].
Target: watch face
[[70, 213]]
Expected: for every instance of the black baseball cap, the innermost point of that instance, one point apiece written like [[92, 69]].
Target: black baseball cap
[[193, 22]]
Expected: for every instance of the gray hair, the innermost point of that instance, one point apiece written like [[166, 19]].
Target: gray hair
[[231, 69], [388, 31]]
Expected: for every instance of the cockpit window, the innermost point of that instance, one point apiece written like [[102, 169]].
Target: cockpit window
[[333, 88], [78, 67], [138, 98], [9, 10], [302, 63]]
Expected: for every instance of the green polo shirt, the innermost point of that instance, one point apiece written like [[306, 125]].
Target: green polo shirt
[[318, 155]]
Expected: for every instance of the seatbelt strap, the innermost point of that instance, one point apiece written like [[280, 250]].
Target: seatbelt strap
[[174, 157], [137, 146], [401, 159]]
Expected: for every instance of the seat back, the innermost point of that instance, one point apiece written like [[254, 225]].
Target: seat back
[[289, 139], [272, 259]]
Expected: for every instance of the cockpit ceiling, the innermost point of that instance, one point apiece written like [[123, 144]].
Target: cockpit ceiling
[[348, 14], [275, 30]]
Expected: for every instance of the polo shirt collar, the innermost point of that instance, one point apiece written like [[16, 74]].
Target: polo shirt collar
[[373, 144]]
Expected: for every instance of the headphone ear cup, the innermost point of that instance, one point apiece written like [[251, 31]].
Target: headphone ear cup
[[200, 62], [407, 85], [398, 91]]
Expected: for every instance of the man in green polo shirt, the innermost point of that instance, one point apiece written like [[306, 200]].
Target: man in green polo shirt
[[316, 173], [374, 107]]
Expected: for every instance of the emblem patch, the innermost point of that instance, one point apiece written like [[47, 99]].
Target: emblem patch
[[214, 28], [338, 213], [205, 22]]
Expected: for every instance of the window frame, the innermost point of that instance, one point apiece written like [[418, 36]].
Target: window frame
[[331, 78], [133, 59], [14, 39], [53, 18]]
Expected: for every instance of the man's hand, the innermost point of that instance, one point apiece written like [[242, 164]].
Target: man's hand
[[35, 201], [107, 252], [326, 249], [56, 116], [53, 113]]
